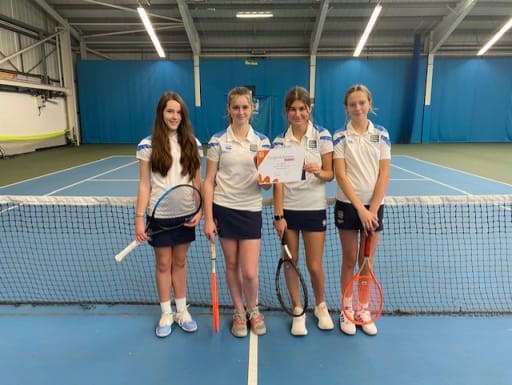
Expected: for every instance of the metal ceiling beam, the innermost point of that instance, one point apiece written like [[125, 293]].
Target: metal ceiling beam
[[49, 10], [190, 29], [445, 28], [129, 9], [319, 27]]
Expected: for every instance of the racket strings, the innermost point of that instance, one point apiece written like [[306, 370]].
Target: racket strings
[[181, 202], [366, 297]]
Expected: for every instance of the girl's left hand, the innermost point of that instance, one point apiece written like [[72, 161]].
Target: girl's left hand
[[314, 168], [195, 220]]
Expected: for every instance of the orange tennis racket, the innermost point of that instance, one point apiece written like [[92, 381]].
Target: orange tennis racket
[[215, 295], [365, 293]]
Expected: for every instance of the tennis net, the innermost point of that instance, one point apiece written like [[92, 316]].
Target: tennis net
[[446, 254]]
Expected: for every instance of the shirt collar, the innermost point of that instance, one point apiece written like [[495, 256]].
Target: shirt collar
[[309, 133], [352, 131], [232, 138]]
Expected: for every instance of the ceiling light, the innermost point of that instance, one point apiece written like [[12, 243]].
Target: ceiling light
[[254, 15], [367, 30], [495, 38], [151, 31]]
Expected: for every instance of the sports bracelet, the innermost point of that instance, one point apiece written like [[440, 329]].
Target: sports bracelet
[[139, 214]]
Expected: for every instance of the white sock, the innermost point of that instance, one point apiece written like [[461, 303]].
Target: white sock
[[181, 304], [166, 307]]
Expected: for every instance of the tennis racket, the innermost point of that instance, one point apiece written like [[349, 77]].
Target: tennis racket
[[215, 295], [291, 288], [182, 202], [365, 292]]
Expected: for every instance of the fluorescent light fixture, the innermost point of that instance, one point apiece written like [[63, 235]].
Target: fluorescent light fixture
[[367, 30], [151, 32], [495, 38], [254, 15]]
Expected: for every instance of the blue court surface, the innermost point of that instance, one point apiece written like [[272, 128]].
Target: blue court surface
[[115, 344]]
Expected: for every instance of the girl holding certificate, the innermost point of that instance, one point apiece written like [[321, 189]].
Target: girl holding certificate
[[300, 207]]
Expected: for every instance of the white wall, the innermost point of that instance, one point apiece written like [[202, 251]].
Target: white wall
[[23, 126]]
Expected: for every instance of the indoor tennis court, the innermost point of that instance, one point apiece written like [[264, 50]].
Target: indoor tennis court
[[79, 83], [445, 304]]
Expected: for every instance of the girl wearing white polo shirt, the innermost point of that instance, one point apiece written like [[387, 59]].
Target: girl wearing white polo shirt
[[170, 156], [362, 161], [300, 207], [232, 207]]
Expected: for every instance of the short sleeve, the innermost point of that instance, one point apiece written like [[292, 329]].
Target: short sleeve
[[144, 149], [213, 152], [339, 144], [326, 145]]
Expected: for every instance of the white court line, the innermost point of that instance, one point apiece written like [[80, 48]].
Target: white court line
[[406, 179], [252, 370], [91, 178], [456, 170], [434, 181], [67, 169], [114, 180]]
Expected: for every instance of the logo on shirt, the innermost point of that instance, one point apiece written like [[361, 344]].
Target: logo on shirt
[[312, 144], [374, 138], [227, 147], [253, 147]]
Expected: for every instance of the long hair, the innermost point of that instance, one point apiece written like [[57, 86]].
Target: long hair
[[161, 159]]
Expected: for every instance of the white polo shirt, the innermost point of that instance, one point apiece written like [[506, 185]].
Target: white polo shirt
[[236, 182], [362, 154], [308, 194], [160, 184]]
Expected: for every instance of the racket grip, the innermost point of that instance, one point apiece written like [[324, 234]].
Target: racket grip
[[127, 250]]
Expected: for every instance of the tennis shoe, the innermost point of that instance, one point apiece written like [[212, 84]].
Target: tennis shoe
[[163, 329], [299, 323], [346, 325], [257, 324], [239, 326], [369, 328], [185, 321], [324, 318]]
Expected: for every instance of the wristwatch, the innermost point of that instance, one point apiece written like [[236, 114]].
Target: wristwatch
[[278, 217]]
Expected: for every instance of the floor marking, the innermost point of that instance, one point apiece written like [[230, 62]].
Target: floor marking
[[252, 371]]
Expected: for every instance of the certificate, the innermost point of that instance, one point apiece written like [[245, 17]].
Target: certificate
[[280, 164]]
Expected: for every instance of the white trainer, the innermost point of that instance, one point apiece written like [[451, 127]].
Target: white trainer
[[324, 318], [369, 328], [346, 325], [299, 323]]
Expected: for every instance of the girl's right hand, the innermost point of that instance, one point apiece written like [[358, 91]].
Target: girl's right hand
[[210, 230], [140, 231], [369, 220]]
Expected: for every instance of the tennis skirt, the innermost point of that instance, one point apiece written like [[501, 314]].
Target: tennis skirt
[[173, 237], [306, 220], [237, 224], [346, 218]]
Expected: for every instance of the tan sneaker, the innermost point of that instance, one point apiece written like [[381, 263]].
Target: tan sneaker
[[257, 324], [324, 318], [299, 323], [239, 327]]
